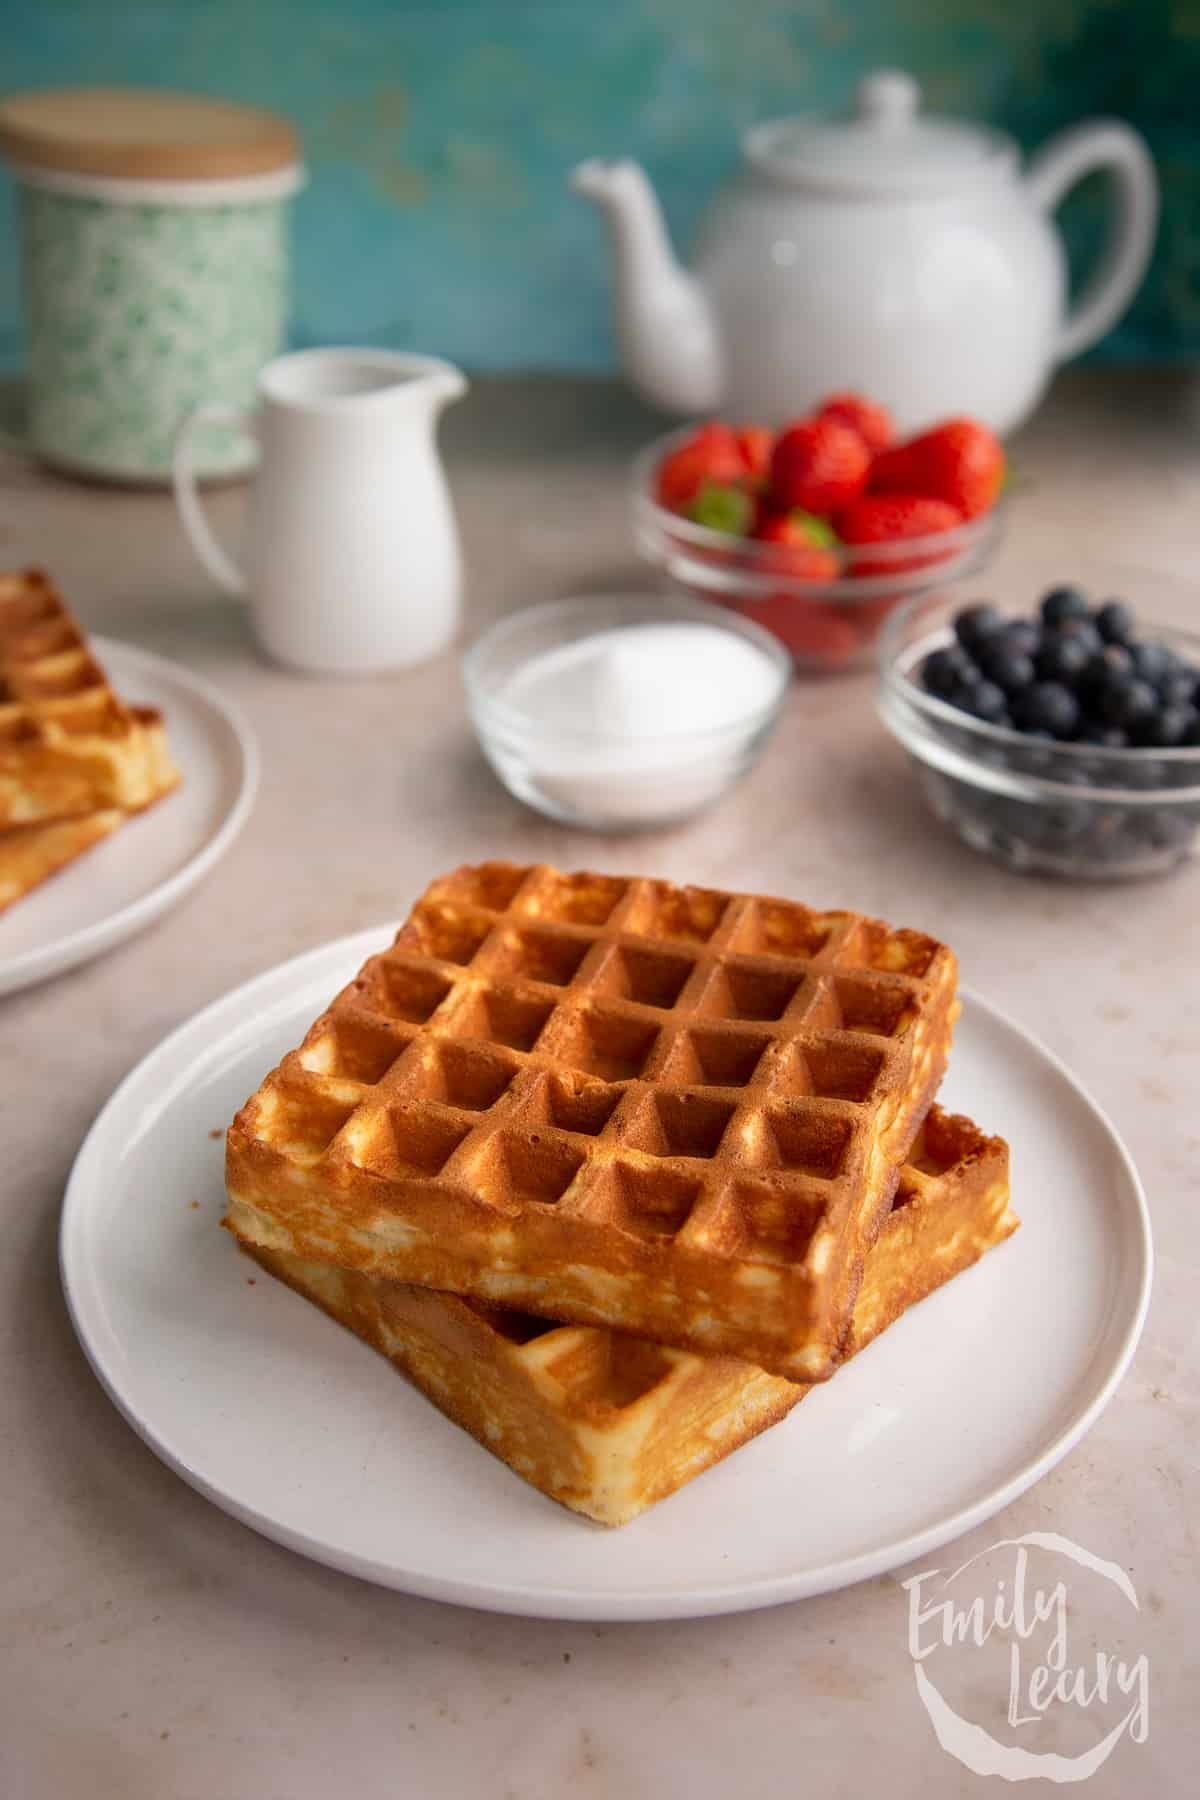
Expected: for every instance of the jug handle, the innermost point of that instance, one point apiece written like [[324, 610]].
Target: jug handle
[[1115, 147], [215, 558]]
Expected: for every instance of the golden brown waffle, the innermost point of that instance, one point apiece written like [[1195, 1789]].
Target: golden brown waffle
[[68, 745], [609, 1424], [669, 1110], [31, 854]]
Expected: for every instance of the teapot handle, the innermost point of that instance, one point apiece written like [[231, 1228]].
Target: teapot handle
[[1110, 145]]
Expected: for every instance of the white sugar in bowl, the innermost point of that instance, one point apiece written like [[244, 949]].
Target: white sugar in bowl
[[619, 713]]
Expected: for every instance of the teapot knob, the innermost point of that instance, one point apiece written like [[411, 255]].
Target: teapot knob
[[887, 98]]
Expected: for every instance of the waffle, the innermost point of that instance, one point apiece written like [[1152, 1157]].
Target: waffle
[[68, 745], [608, 1424], [30, 854], [673, 1111]]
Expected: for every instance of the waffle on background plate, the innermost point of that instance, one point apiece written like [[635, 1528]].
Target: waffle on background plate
[[670, 1111], [75, 759], [615, 1170]]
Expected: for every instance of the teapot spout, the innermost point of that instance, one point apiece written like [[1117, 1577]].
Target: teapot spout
[[664, 324]]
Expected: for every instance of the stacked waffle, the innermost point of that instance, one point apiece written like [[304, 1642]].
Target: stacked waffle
[[75, 760], [614, 1170]]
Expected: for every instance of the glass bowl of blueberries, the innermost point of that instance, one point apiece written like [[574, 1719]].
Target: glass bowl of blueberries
[[1066, 742]]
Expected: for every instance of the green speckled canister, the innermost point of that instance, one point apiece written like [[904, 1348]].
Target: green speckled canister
[[155, 272]]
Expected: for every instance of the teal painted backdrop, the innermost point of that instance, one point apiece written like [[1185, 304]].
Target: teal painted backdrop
[[439, 136]]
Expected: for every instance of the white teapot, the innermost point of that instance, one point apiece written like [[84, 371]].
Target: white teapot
[[906, 256]]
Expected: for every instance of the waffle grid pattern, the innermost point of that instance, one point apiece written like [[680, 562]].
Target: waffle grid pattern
[[953, 1168], [691, 1068], [68, 744], [609, 1423], [48, 675]]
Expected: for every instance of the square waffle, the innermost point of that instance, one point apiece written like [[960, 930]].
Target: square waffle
[[30, 854], [673, 1111], [608, 1424], [68, 745]]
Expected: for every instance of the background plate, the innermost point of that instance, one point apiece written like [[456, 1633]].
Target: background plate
[[297, 1429], [155, 859]]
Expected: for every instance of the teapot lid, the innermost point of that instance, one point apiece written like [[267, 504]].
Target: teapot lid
[[885, 147]]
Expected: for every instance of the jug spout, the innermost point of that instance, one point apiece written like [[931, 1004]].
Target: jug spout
[[442, 383], [664, 324]]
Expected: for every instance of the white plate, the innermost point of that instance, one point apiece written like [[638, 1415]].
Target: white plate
[[154, 860], [296, 1428]]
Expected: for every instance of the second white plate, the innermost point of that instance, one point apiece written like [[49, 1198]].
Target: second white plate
[[154, 860], [296, 1428]]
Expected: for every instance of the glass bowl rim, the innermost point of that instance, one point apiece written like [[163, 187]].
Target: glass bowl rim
[[893, 676], [972, 536]]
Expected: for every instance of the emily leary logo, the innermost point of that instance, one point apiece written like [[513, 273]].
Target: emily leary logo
[[1041, 1675]]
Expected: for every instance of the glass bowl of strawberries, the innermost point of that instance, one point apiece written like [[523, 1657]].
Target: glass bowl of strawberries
[[819, 530]]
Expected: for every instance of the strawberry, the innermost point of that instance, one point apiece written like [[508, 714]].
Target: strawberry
[[818, 465], [818, 635], [711, 453], [755, 443], [889, 519], [872, 422], [961, 462], [723, 508], [801, 546], [882, 518]]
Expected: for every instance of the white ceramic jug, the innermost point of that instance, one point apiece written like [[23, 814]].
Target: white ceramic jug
[[905, 255], [353, 565]]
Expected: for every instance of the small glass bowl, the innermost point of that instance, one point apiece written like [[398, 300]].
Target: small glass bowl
[[1035, 804], [608, 781], [827, 626]]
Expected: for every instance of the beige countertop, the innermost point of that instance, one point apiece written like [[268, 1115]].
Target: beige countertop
[[151, 1646]]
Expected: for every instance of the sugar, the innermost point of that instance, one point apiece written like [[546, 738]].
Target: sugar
[[613, 719]]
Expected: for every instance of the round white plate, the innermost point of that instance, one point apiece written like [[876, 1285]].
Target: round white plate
[[298, 1429], [155, 859]]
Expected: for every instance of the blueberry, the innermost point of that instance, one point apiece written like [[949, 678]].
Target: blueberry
[[973, 625], [1115, 660], [1108, 737], [1164, 728], [1128, 702], [1145, 773], [1063, 656], [1178, 687], [1115, 622], [1022, 635], [988, 702], [1011, 670], [1063, 603], [944, 670], [1167, 831], [1075, 774], [1152, 660], [1046, 706], [1081, 631], [1111, 665]]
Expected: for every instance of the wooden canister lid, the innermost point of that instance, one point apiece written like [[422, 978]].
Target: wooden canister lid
[[143, 134]]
